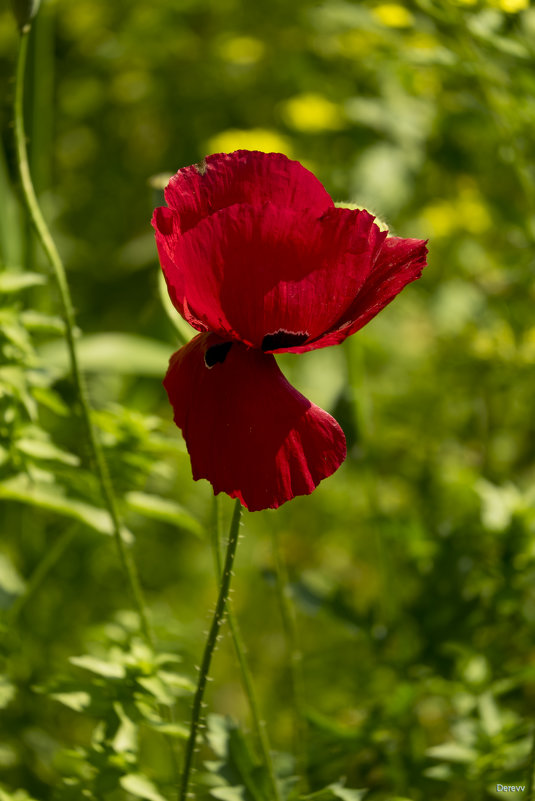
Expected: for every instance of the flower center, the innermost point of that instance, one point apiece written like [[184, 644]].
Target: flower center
[[283, 339]]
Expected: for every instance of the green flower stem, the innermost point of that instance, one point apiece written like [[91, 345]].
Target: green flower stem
[[45, 238], [241, 655], [209, 648], [296, 660]]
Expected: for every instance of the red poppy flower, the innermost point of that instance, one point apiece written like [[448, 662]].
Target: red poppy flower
[[260, 261]]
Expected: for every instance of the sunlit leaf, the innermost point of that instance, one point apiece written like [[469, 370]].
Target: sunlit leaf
[[112, 353], [77, 700], [110, 670], [126, 737], [452, 752], [19, 488], [170, 729], [11, 281], [229, 793], [11, 583], [141, 787], [157, 508], [7, 692], [41, 449], [45, 323]]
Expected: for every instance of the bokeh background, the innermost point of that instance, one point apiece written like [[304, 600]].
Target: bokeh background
[[412, 570]]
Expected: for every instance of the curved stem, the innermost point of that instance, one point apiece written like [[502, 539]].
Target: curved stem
[[209, 649], [49, 247], [296, 660], [247, 679]]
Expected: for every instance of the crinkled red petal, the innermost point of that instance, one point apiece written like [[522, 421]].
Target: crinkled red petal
[[247, 430], [164, 222], [399, 262], [270, 277], [244, 176]]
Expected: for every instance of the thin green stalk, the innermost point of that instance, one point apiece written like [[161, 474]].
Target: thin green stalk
[[49, 247], [52, 555], [209, 648], [259, 725], [296, 660]]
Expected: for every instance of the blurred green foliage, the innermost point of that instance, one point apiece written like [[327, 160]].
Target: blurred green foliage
[[413, 568]]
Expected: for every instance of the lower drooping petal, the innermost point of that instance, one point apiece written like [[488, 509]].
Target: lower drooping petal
[[247, 430]]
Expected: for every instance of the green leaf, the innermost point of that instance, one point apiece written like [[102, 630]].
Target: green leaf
[[13, 381], [112, 353], [7, 692], [238, 765], [38, 321], [177, 680], [336, 791], [42, 449], [157, 508], [51, 400], [11, 583], [453, 752], [110, 670], [20, 488], [229, 793], [79, 700], [141, 787], [126, 738], [11, 281], [17, 795], [156, 687], [345, 794], [170, 729], [491, 719]]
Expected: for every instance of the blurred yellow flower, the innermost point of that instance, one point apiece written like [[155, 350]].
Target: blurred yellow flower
[[393, 15], [312, 113], [513, 6], [498, 341], [466, 212], [242, 50], [262, 139], [441, 217]]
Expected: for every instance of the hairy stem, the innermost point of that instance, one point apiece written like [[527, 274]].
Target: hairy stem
[[247, 679], [51, 252], [209, 648]]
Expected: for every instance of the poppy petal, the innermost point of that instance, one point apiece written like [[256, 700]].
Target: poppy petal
[[165, 225], [273, 278], [399, 262], [247, 430], [244, 176]]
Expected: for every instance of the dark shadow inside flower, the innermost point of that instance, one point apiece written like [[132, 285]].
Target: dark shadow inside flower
[[283, 339], [216, 354]]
